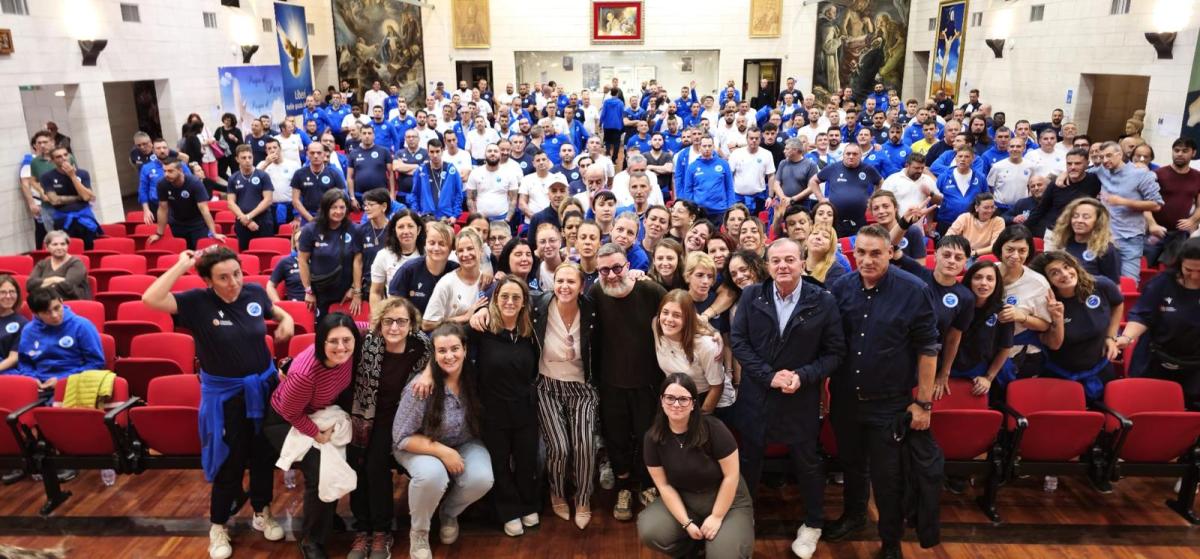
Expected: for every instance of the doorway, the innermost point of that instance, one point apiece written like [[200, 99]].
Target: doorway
[[1106, 101], [472, 71], [133, 107], [920, 89], [756, 70]]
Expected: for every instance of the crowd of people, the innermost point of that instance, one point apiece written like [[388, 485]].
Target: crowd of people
[[626, 282]]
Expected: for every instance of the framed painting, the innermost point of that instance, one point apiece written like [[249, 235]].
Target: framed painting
[[765, 18], [948, 48], [617, 22], [472, 24], [6, 41]]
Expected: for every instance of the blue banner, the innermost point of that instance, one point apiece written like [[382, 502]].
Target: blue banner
[[295, 59], [250, 92]]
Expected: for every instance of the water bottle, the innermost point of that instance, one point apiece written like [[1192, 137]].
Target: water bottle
[[109, 477], [289, 479]]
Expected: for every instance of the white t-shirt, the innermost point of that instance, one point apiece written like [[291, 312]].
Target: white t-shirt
[[461, 161], [1010, 181], [512, 169], [281, 179], [962, 181], [386, 263], [424, 136], [591, 118], [705, 368], [538, 189], [603, 161], [477, 142], [620, 189], [290, 147], [908, 192], [491, 190], [373, 98], [1053, 163], [451, 297], [750, 170], [1028, 293], [349, 120]]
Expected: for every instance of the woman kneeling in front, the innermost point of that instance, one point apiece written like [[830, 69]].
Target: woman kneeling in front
[[437, 441], [693, 460]]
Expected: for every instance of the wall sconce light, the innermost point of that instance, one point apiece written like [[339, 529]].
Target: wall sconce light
[[1163, 44], [91, 50], [997, 46], [248, 53]]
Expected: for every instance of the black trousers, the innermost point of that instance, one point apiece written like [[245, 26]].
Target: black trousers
[[510, 433], [806, 464], [318, 515], [371, 501], [625, 416], [1189, 380], [327, 297], [247, 449], [870, 455], [76, 231], [190, 233], [266, 228]]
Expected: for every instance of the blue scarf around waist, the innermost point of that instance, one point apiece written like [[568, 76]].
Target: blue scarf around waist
[[1028, 337], [1007, 373], [84, 216], [1092, 385], [214, 392]]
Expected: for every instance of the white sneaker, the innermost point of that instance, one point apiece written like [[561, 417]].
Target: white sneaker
[[265, 523], [449, 530], [607, 479], [218, 543], [418, 545], [514, 528], [805, 543], [1050, 484], [530, 520]]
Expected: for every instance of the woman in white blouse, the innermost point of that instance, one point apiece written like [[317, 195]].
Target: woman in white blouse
[[685, 345], [458, 295], [405, 233]]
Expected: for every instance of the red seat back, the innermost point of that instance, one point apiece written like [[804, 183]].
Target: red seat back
[[134, 283], [258, 279], [91, 310], [121, 245], [109, 344], [113, 230], [300, 342], [180, 348], [1045, 394], [16, 392], [230, 242], [364, 311], [960, 397], [169, 244], [79, 431], [271, 244], [17, 263], [133, 263], [1131, 396], [304, 319], [187, 282], [139, 371], [1059, 436], [168, 430], [174, 390], [138, 311], [964, 433]]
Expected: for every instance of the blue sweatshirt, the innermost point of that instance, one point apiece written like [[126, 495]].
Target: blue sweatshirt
[[450, 200], [611, 113], [709, 183], [47, 352], [955, 202]]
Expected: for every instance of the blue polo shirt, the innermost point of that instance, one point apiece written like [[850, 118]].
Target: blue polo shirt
[[229, 336], [313, 185], [183, 201], [287, 273], [249, 190], [404, 182], [55, 181], [371, 167], [848, 189]]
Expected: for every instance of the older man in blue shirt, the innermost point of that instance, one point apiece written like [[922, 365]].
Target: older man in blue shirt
[[1127, 192]]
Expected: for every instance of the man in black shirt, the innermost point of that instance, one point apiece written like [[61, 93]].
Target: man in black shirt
[[771, 143], [892, 345], [68, 190], [183, 203], [627, 368], [1075, 183]]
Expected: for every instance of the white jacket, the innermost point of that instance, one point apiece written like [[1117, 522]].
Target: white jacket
[[337, 478]]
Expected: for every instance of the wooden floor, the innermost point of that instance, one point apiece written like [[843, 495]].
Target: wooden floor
[[163, 514]]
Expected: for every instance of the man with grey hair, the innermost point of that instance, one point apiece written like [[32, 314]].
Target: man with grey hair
[[635, 162], [627, 370], [793, 174], [785, 361], [1127, 191]]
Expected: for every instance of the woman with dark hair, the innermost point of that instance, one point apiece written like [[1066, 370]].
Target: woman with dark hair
[[518, 260], [794, 223], [1169, 313], [227, 320], [393, 351], [1085, 316], [436, 440], [11, 321], [190, 143], [228, 138], [693, 459], [666, 267], [732, 222], [683, 214], [404, 240], [751, 236], [983, 354], [684, 344], [697, 237], [1025, 296], [719, 247], [980, 225], [1084, 230], [330, 257], [315, 380], [374, 231], [62, 272], [824, 213]]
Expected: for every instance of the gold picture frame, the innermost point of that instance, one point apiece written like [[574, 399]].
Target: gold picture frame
[[766, 18], [472, 25]]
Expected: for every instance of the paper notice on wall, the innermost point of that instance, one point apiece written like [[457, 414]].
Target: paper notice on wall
[[1168, 125]]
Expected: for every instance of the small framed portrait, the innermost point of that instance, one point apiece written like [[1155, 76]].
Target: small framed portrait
[[687, 64], [6, 42], [617, 22]]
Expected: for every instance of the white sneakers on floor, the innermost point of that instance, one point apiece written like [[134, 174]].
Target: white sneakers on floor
[[514, 528], [265, 523], [449, 530], [805, 544], [218, 542]]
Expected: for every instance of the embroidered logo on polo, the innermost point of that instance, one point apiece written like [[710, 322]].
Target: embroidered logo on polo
[[718, 168], [950, 300], [254, 309], [903, 243], [1093, 301], [324, 180], [374, 155], [185, 195], [862, 176], [992, 320], [66, 342], [12, 327], [1010, 300], [255, 180], [1089, 255]]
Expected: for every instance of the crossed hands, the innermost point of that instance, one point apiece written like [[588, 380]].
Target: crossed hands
[[786, 380]]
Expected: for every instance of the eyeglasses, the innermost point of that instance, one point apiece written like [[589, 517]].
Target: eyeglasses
[[611, 270], [680, 401], [390, 322]]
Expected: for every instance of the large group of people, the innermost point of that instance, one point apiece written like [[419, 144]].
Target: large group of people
[[626, 280]]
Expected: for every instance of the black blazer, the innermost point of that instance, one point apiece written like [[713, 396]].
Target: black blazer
[[812, 344], [587, 326]]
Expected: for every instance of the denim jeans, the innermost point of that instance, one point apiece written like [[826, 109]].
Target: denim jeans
[[1130, 249]]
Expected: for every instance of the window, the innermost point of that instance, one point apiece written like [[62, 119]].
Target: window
[[14, 7], [1119, 7], [1037, 12], [130, 13], [976, 19], [312, 29], [932, 23], [268, 25], [210, 20]]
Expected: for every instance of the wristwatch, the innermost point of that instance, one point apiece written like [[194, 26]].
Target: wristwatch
[[927, 406]]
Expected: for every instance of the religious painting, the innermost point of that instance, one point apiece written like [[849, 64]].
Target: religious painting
[[948, 48], [765, 17], [859, 43], [472, 24], [6, 42], [1190, 127], [617, 22], [378, 40]]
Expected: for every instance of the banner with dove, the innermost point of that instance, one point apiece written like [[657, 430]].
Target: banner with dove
[[250, 92], [295, 59]]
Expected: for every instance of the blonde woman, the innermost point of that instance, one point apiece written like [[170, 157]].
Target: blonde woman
[[1083, 231], [820, 249], [458, 295]]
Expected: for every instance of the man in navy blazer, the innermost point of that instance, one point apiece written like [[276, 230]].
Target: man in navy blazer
[[788, 337]]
